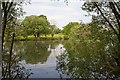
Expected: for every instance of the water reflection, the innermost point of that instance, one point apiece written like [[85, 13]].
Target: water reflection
[[53, 59], [12, 69], [93, 60], [40, 57], [34, 52]]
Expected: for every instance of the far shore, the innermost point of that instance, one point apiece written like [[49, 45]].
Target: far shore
[[32, 38]]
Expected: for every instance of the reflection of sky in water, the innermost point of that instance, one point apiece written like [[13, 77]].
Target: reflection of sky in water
[[48, 69]]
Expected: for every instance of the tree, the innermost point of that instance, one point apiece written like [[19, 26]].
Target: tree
[[6, 9], [107, 11], [66, 29], [36, 25], [52, 30], [0, 39], [46, 25], [57, 31], [11, 10], [88, 54], [0, 28]]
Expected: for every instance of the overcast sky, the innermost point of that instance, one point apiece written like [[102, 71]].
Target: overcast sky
[[57, 12]]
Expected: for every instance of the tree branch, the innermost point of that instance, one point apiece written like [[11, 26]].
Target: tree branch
[[111, 26], [117, 16], [117, 6], [9, 6]]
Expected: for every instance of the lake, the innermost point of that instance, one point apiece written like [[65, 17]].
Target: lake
[[67, 59], [40, 57]]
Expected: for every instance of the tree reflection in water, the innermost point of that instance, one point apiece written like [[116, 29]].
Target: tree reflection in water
[[16, 70], [12, 69], [34, 52], [93, 60]]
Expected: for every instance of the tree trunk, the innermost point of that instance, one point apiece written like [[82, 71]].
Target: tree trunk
[[52, 36], [37, 35], [6, 9], [0, 40], [3, 28], [11, 48], [0, 29]]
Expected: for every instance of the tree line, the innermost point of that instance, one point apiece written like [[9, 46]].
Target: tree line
[[36, 26]]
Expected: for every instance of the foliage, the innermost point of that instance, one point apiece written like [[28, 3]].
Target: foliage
[[90, 53], [57, 31], [18, 71], [11, 11], [52, 30], [11, 66], [35, 25], [107, 14], [66, 29]]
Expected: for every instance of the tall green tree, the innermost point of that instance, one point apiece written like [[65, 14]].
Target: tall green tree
[[46, 25], [66, 29], [36, 25]]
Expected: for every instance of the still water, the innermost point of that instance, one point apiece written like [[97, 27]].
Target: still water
[[54, 59], [40, 57]]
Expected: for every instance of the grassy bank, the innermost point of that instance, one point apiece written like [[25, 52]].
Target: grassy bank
[[42, 37]]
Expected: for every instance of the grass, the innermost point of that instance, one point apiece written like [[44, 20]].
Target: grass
[[42, 37]]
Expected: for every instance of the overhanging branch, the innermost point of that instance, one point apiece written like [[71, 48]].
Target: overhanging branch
[[111, 26]]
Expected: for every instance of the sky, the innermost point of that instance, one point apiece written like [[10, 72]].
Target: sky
[[57, 12]]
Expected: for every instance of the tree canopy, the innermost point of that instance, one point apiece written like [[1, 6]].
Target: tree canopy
[[107, 13], [66, 29], [35, 25]]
